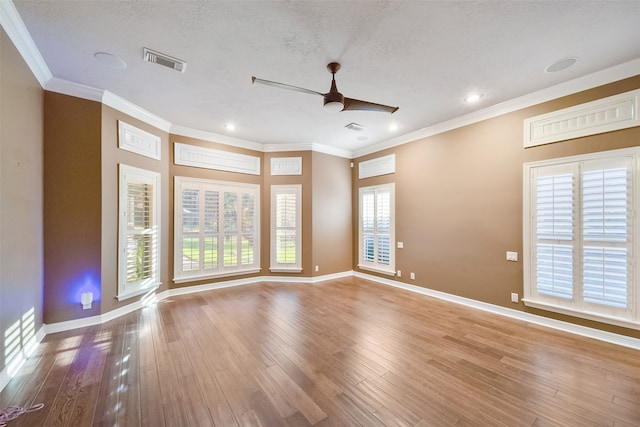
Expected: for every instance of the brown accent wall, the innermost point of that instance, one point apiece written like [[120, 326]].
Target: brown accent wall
[[21, 242], [459, 202], [111, 157], [72, 206], [331, 214]]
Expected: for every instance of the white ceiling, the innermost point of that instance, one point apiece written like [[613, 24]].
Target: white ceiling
[[423, 56]]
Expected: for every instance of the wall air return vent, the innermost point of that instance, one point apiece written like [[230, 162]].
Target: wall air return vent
[[355, 127], [164, 60]]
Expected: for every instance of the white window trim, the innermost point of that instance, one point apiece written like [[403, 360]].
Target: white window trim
[[375, 267], [275, 266], [127, 173], [530, 299], [190, 276]]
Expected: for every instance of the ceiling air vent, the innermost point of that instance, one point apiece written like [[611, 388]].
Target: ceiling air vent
[[165, 60], [356, 127]]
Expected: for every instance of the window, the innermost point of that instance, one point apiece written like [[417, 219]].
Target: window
[[139, 232], [216, 228], [376, 229], [286, 228], [580, 230]]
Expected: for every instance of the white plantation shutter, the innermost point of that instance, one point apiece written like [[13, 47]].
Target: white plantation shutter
[[606, 194], [554, 234], [138, 231], [581, 236], [216, 230], [286, 228], [248, 229], [376, 234]]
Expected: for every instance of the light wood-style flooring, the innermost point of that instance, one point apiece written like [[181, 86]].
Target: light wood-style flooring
[[345, 352]]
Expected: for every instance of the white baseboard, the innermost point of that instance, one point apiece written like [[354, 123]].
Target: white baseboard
[[584, 331]]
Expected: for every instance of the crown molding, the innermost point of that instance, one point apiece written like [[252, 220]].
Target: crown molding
[[124, 106], [78, 90], [319, 148], [14, 26], [599, 78], [215, 137]]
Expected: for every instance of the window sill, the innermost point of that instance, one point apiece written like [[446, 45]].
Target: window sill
[[597, 317], [215, 276], [285, 270], [377, 270]]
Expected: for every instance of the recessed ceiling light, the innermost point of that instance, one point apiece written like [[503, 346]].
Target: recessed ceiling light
[[230, 126], [110, 60], [473, 97], [560, 65], [393, 127]]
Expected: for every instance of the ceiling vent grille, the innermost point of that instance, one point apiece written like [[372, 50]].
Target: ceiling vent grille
[[355, 127], [164, 60]]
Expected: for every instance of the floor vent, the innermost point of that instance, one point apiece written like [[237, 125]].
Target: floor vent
[[164, 60]]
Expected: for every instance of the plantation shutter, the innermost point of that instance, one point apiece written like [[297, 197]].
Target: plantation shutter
[[606, 232], [217, 227], [138, 231], [554, 232], [286, 211], [377, 228], [582, 236]]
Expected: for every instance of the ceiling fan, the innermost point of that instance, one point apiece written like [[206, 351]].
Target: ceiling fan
[[334, 101]]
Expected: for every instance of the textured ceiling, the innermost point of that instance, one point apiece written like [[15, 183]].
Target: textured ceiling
[[423, 56]]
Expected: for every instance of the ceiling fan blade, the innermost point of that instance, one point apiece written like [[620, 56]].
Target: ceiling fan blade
[[356, 104], [284, 86]]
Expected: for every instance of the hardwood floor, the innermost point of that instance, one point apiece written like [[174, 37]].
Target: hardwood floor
[[345, 352]]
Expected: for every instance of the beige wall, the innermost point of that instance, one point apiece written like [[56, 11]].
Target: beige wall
[[21, 242], [331, 214], [459, 202]]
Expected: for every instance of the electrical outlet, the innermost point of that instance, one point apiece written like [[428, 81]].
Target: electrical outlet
[[512, 256], [399, 273], [413, 276], [514, 297], [317, 268], [400, 245]]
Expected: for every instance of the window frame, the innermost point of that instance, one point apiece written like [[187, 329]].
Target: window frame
[[221, 187], [126, 175], [376, 266], [296, 266], [577, 306]]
